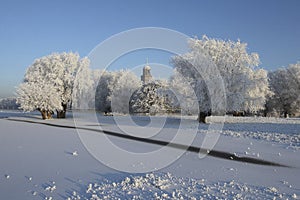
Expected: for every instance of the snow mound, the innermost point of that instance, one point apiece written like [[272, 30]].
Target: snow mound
[[167, 186]]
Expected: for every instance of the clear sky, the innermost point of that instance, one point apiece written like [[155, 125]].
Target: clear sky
[[31, 29]]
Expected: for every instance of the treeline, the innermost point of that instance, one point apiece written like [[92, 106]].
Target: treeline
[[9, 104], [214, 78]]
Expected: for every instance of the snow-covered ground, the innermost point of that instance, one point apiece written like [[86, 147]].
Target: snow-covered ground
[[47, 159]]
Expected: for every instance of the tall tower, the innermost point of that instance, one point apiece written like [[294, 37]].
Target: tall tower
[[146, 77]]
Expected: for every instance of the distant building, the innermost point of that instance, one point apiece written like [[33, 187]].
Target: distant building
[[146, 77]]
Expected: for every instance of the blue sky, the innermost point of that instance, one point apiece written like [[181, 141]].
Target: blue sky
[[31, 29]]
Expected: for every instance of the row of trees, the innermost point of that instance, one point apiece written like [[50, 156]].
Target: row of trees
[[214, 74], [9, 103]]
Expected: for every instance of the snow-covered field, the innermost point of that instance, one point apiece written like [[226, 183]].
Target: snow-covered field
[[47, 159]]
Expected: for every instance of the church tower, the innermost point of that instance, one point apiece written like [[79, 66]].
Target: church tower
[[146, 77]]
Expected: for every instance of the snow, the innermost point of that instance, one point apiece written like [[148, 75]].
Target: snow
[[75, 153], [279, 130], [167, 186], [40, 162], [260, 120]]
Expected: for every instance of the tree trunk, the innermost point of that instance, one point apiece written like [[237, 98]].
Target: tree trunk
[[62, 113], [202, 116], [238, 113], [46, 114]]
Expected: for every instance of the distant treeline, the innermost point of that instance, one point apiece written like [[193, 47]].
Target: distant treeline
[[9, 104]]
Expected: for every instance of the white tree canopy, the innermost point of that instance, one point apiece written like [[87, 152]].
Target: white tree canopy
[[285, 83], [182, 95], [40, 96], [127, 83], [246, 86], [49, 81], [114, 90], [150, 98], [83, 89]]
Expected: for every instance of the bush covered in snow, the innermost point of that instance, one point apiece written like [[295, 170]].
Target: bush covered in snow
[[150, 98]]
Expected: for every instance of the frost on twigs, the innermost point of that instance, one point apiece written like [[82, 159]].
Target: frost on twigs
[[224, 76], [150, 98], [114, 89], [49, 82], [284, 84]]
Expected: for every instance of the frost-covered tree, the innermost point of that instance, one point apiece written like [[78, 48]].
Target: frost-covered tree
[[294, 72], [285, 83], [114, 91], [150, 98], [127, 83], [9, 103], [48, 83], [245, 86], [181, 95], [258, 91], [102, 92], [83, 88], [40, 96], [95, 77]]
